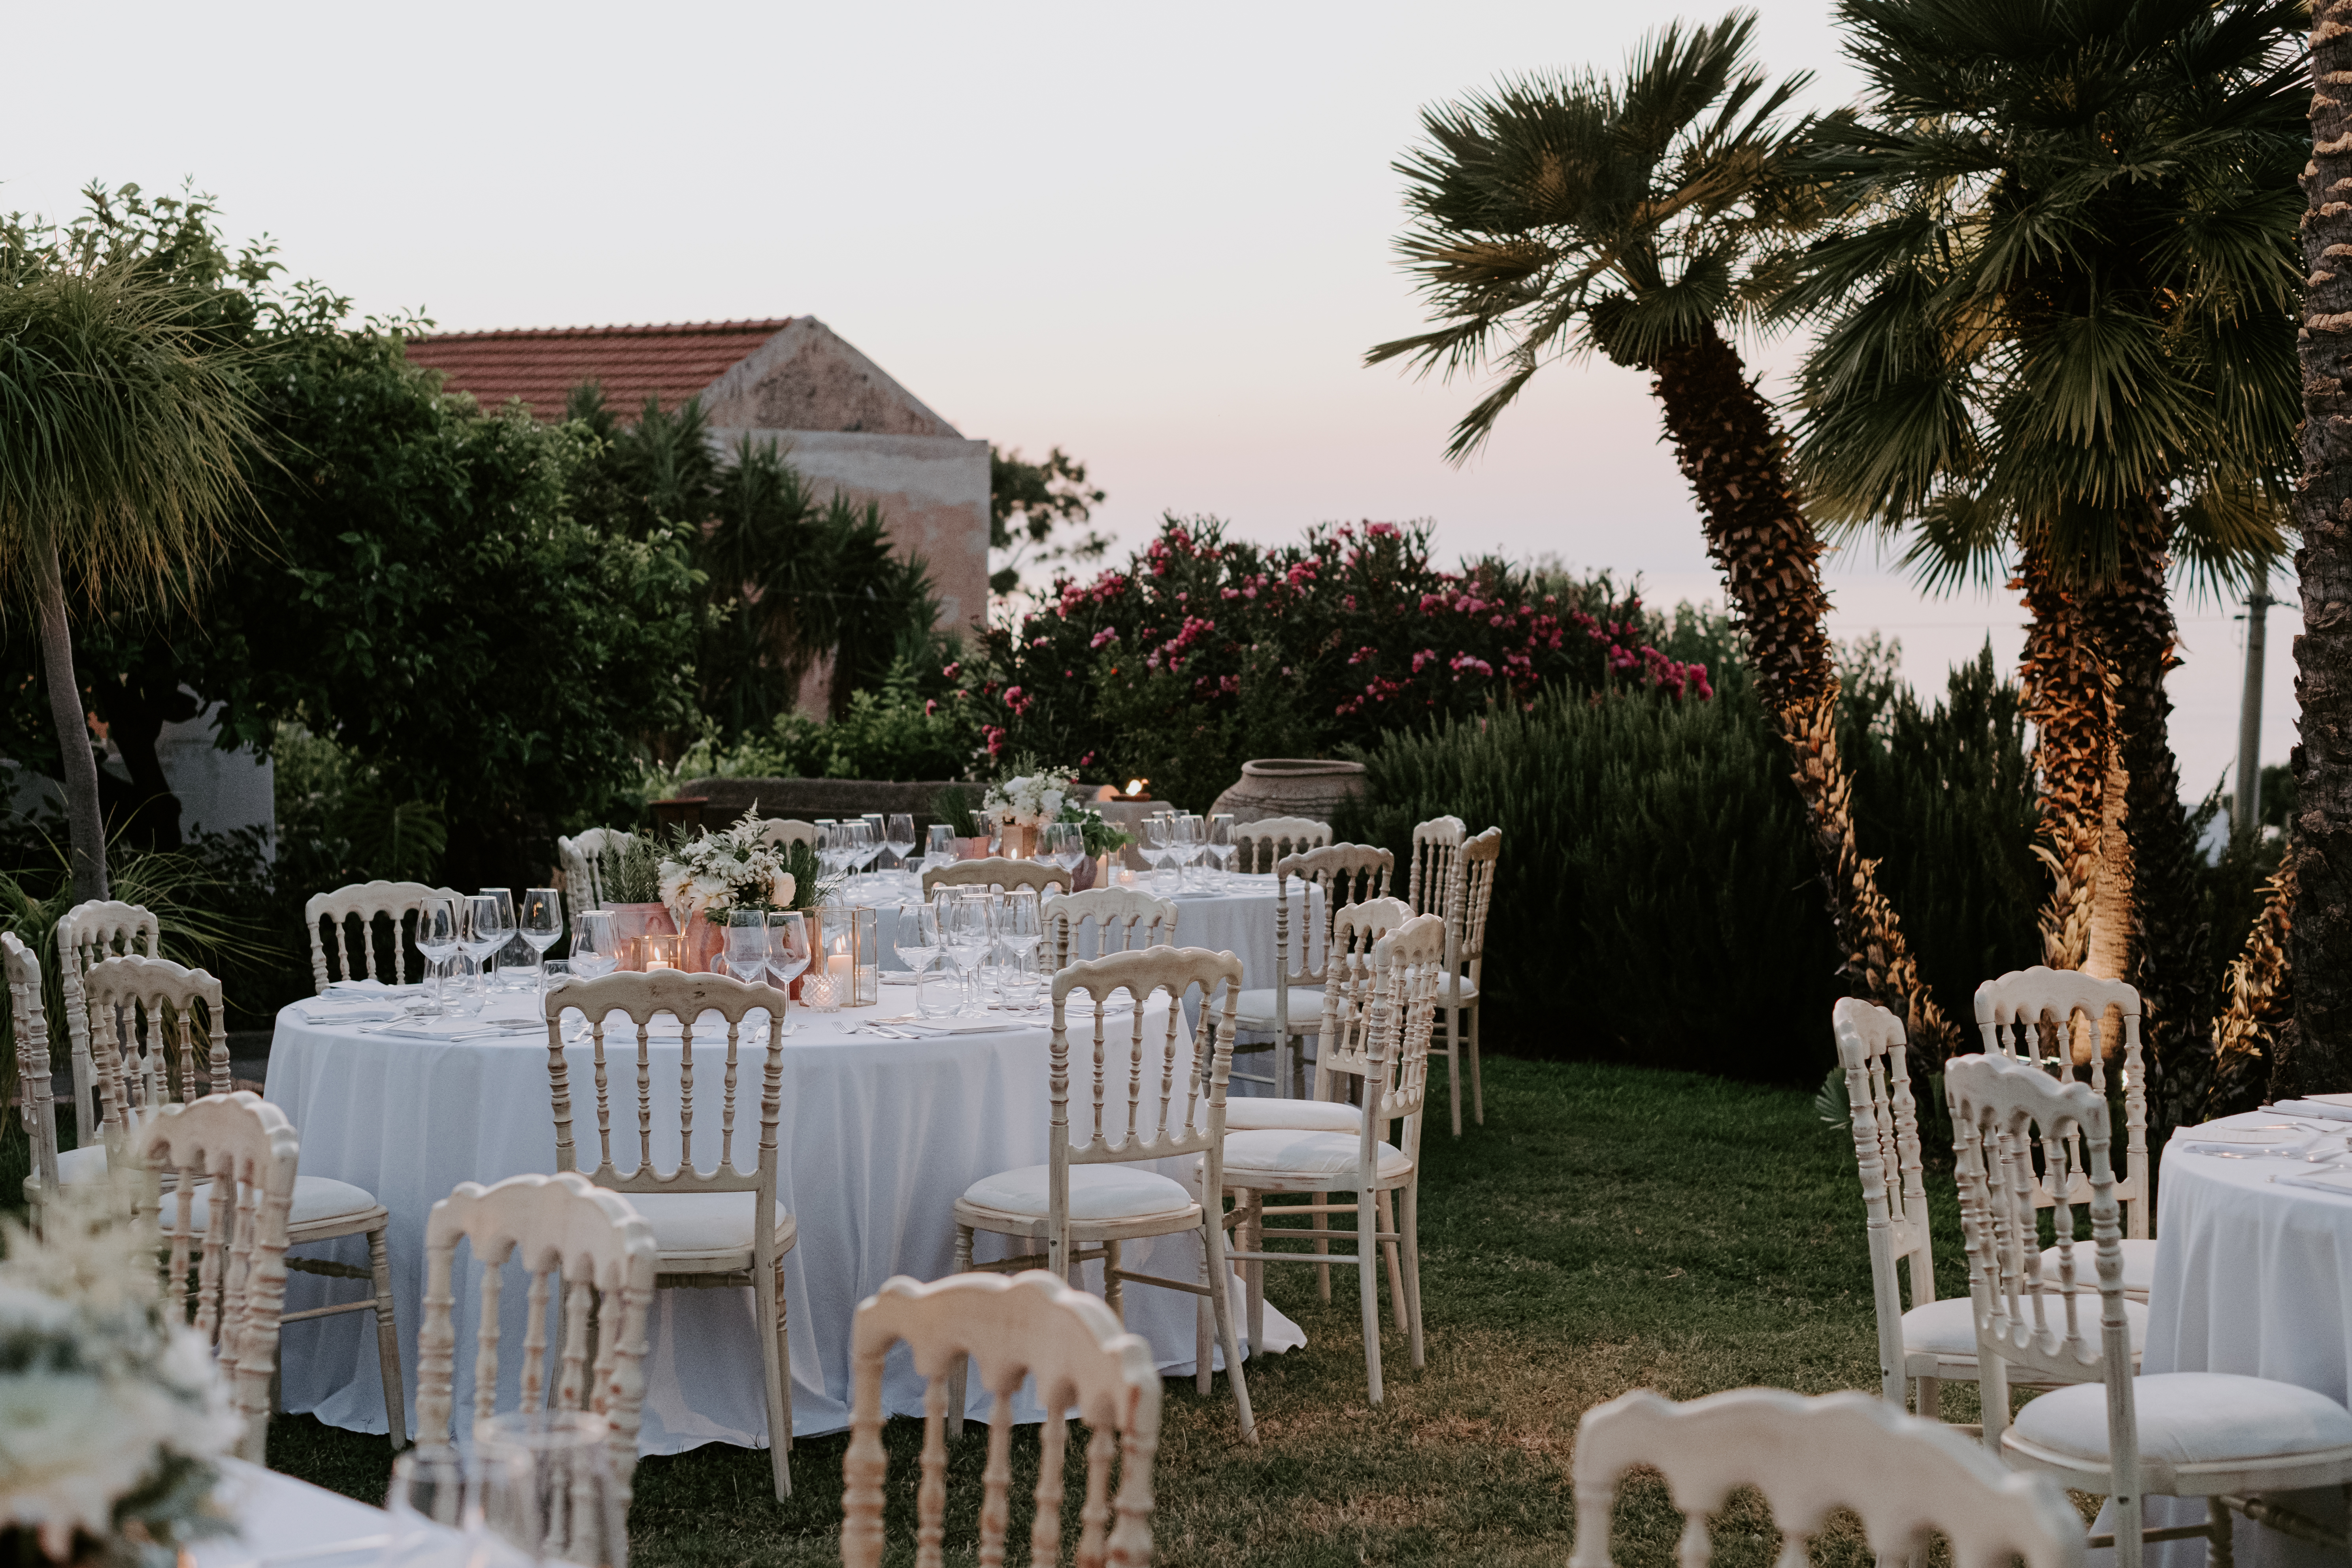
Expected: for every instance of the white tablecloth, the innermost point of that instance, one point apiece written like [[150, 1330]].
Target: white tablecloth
[[879, 1136], [2255, 1278], [276, 1516]]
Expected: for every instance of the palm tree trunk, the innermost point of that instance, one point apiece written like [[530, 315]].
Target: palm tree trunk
[[2064, 691], [1732, 451], [2260, 987], [2321, 833], [86, 831]]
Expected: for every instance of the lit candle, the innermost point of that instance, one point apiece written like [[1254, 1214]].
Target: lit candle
[[837, 965], [654, 964]]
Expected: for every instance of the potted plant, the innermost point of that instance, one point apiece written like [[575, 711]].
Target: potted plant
[[705, 878], [955, 807], [634, 897]]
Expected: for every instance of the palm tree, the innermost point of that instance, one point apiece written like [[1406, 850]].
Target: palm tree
[[2058, 296], [124, 429], [1559, 214]]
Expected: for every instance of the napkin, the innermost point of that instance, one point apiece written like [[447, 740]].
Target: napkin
[[962, 1027], [356, 1010], [2332, 1107], [2326, 1179], [2245, 1140]]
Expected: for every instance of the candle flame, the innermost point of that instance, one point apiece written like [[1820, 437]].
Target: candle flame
[[1134, 786]]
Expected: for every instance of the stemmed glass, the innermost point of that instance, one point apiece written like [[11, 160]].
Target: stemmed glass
[[1155, 843], [485, 929], [548, 1488], [1018, 930], [1184, 837], [941, 849], [747, 944], [594, 949], [436, 938], [507, 923], [437, 1504], [898, 835], [874, 840], [1220, 846], [916, 935], [788, 951], [828, 847], [964, 931], [541, 920]]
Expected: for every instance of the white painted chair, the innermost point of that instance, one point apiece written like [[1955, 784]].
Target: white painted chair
[[1904, 1477], [1258, 845], [36, 1101], [719, 1228], [584, 1251], [1093, 1195], [1031, 1325], [2055, 1019], [1466, 939], [1377, 1006], [1123, 919], [586, 862], [1935, 1341], [86, 934], [238, 1152], [1437, 856], [348, 917], [996, 872], [2188, 1434], [1292, 1007], [788, 830], [148, 1062]]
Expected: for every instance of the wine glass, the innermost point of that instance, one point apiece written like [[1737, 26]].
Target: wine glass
[[964, 931], [547, 1486], [595, 950], [872, 842], [484, 930], [916, 935], [1221, 846], [1070, 849], [1185, 837], [788, 949], [747, 944], [828, 847], [1156, 830], [436, 1505], [898, 835], [507, 924], [942, 848], [436, 938], [1019, 931], [539, 918]]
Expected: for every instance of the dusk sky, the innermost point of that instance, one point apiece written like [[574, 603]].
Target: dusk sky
[[1159, 239]]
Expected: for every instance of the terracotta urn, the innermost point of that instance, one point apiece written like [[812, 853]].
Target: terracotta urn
[[972, 848], [632, 922], [705, 941], [1291, 787]]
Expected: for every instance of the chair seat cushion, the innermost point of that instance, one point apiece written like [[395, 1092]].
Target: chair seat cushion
[[1278, 1151], [316, 1199], [2191, 1418], [1096, 1192], [1947, 1328], [1469, 992], [687, 1224], [1250, 1113], [2140, 1268], [86, 1163], [1253, 1009]]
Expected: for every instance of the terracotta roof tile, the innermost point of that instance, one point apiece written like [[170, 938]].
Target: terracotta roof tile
[[542, 365]]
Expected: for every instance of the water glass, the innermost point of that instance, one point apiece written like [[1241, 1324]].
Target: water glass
[[874, 836], [1018, 930], [916, 935], [898, 835], [594, 949], [1221, 845], [942, 848], [436, 938], [547, 1488], [504, 969], [966, 930], [747, 944], [788, 951], [489, 921], [539, 918]]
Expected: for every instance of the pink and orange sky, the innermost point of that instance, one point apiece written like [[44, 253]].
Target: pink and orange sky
[[1157, 238]]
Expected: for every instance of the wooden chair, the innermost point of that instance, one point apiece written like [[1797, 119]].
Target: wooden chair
[[1935, 1341], [348, 915], [1031, 1325], [1903, 1478], [583, 1249], [1258, 845], [1129, 912], [585, 861], [1291, 1008], [1090, 1196], [996, 872], [86, 933], [148, 1062], [2055, 1019], [2185, 1434], [239, 1151], [1465, 939], [36, 1103], [1436, 857], [715, 1229], [788, 830], [1378, 1007]]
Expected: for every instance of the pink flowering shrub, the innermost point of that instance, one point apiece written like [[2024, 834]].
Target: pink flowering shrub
[[1201, 651]]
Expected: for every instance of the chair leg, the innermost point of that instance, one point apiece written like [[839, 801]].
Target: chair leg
[[2220, 1548], [1322, 1223], [1478, 1090], [1221, 1304], [766, 1312], [1409, 1211], [1368, 1284], [1201, 1339], [1114, 1288], [1396, 1271], [1454, 1065], [1252, 1235], [962, 1265], [388, 1341], [784, 1352], [1931, 1399]]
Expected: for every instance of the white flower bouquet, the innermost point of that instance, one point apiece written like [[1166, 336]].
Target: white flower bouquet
[[111, 1410], [1031, 799], [730, 868]]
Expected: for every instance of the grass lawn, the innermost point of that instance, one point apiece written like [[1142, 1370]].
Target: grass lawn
[[1608, 1228]]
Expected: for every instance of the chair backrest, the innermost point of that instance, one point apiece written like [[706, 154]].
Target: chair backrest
[[1885, 1125], [348, 915], [1132, 915], [582, 1248], [1380, 1003], [36, 1103], [144, 1048], [684, 996], [995, 871], [1466, 926], [1905, 1476], [2056, 1019], [1030, 1324], [1139, 1101], [88, 932], [788, 830], [586, 861], [2002, 1110], [247, 1151], [1344, 874], [1258, 845], [1437, 856]]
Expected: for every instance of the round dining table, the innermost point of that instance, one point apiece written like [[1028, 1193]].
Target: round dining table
[[878, 1138], [2253, 1276]]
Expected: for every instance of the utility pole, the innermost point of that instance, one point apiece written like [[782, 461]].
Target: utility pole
[[2250, 718]]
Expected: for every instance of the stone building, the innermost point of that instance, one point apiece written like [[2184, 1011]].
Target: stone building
[[840, 420]]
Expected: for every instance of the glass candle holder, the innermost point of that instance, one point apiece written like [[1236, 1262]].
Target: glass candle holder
[[864, 988], [662, 951], [819, 993]]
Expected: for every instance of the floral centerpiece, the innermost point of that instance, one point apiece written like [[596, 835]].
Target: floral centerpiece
[[111, 1411], [1031, 798], [705, 878]]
